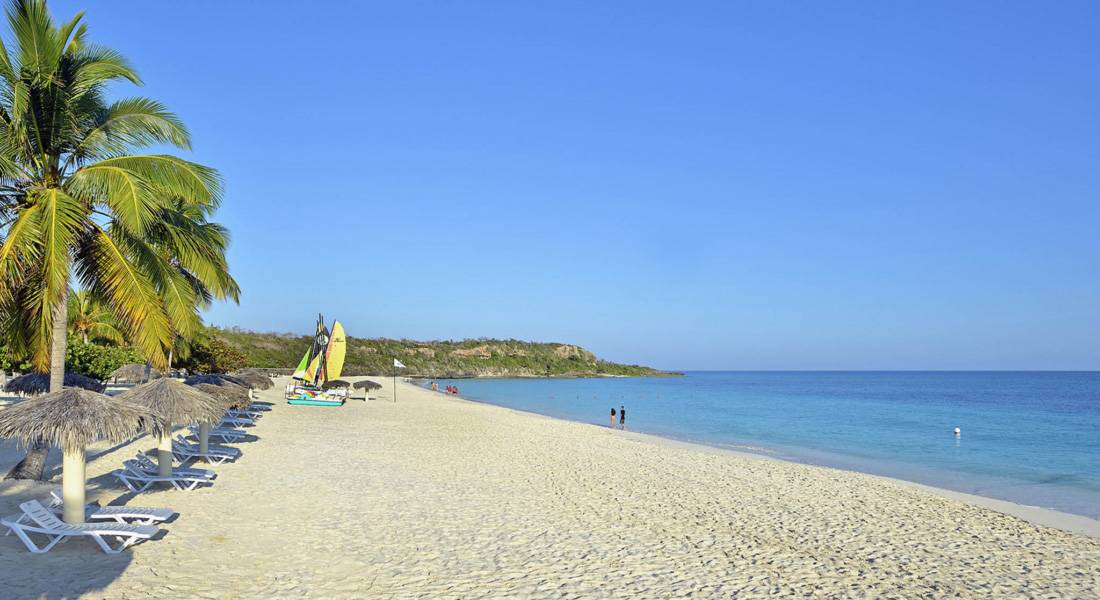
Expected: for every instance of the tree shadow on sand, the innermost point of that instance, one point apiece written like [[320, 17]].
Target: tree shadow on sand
[[71, 569]]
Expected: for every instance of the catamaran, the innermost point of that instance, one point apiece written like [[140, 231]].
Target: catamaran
[[323, 361]]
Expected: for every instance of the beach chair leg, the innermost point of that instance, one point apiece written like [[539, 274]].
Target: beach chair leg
[[126, 542], [29, 543]]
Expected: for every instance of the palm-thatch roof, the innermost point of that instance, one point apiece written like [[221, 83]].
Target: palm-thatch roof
[[39, 383], [254, 378], [215, 379], [232, 396], [335, 383], [176, 402], [134, 373], [74, 418], [260, 372], [367, 384]]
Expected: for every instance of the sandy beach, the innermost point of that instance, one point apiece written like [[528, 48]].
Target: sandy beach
[[435, 497]]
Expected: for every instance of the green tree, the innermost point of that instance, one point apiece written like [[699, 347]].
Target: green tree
[[77, 202], [89, 319], [97, 361], [213, 355]]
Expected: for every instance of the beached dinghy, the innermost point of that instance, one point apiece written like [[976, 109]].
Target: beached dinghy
[[322, 362]]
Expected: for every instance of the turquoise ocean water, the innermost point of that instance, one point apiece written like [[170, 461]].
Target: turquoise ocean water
[[1027, 437]]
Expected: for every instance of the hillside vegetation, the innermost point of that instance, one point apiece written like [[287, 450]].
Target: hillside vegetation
[[438, 359]]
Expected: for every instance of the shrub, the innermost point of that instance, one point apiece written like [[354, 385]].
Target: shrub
[[98, 361], [213, 355]]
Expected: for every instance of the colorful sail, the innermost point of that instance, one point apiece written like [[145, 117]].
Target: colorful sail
[[312, 368], [334, 355], [300, 372]]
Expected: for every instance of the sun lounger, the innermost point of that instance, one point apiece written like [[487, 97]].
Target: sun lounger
[[120, 514], [221, 433], [139, 480], [46, 523], [235, 422], [146, 464], [184, 450], [248, 418]]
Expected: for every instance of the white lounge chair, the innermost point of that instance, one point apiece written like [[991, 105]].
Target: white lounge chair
[[228, 422], [44, 522], [221, 433], [243, 418], [146, 464], [120, 514], [245, 413], [184, 450], [138, 480]]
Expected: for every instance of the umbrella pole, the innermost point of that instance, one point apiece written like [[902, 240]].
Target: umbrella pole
[[204, 438], [72, 486], [164, 452]]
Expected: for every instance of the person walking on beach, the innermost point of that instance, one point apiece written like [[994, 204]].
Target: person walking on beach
[[622, 417], [613, 417]]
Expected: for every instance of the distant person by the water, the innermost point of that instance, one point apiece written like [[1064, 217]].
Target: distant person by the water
[[613, 417], [435, 387], [622, 418]]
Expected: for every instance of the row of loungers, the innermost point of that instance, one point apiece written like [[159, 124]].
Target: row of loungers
[[115, 528]]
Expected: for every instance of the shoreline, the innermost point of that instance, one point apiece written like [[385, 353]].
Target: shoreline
[[1036, 515], [442, 497]]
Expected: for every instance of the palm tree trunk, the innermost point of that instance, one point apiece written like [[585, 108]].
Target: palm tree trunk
[[57, 346], [33, 466]]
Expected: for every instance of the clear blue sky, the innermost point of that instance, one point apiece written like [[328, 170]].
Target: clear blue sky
[[864, 185]]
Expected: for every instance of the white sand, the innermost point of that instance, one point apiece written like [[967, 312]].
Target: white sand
[[438, 497]]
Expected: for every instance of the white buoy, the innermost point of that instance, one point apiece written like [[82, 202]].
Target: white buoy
[[958, 431]]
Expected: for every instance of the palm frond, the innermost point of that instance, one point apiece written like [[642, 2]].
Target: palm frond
[[106, 267], [130, 123], [132, 201]]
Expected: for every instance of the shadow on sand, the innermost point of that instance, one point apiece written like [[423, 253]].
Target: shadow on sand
[[71, 569]]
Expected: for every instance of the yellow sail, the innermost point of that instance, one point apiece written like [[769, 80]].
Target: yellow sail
[[337, 346], [312, 376]]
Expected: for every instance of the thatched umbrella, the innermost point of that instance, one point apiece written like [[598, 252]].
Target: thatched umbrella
[[33, 384], [215, 379], [335, 383], [367, 386], [231, 396], [254, 381], [134, 373], [176, 403], [71, 420], [255, 378]]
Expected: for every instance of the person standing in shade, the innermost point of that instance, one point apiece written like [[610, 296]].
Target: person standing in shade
[[622, 417], [613, 417]]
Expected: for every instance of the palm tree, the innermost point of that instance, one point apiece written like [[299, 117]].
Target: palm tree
[[78, 203], [89, 318]]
